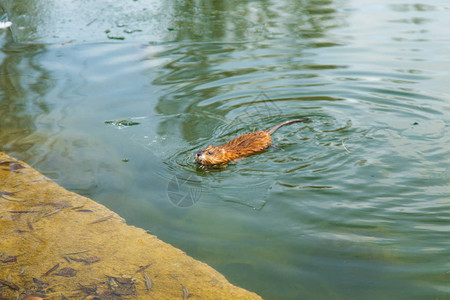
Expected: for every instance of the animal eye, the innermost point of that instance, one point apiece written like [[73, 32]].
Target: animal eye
[[209, 152]]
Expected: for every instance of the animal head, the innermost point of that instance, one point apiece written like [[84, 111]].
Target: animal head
[[211, 155]]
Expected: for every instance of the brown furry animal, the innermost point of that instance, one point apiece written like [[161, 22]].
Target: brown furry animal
[[242, 146]]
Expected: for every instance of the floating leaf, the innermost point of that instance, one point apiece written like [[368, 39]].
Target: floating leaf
[[132, 31], [115, 37]]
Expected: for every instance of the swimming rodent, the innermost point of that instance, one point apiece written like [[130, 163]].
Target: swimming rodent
[[242, 146]]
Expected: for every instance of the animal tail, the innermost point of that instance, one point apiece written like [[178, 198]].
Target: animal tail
[[274, 128]]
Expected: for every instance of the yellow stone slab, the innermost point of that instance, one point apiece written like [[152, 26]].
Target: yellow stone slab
[[56, 244]]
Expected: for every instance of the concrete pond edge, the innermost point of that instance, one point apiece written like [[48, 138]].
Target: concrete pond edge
[[56, 244]]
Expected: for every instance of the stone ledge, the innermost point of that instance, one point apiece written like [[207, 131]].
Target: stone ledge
[[59, 245]]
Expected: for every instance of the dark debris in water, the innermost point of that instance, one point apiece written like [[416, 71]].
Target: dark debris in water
[[40, 285], [87, 260], [132, 31], [115, 37], [89, 289], [186, 293], [148, 282], [102, 219], [84, 210], [66, 272], [121, 286], [123, 122], [52, 269], [113, 288], [5, 193], [37, 291], [109, 295], [9, 259], [13, 165], [142, 268], [9, 284], [61, 204]]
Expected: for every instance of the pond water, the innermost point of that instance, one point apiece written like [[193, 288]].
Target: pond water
[[357, 206]]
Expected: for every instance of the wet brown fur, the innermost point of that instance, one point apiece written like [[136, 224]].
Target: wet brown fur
[[242, 146]]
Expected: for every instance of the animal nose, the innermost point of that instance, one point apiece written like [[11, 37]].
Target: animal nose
[[199, 153]]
